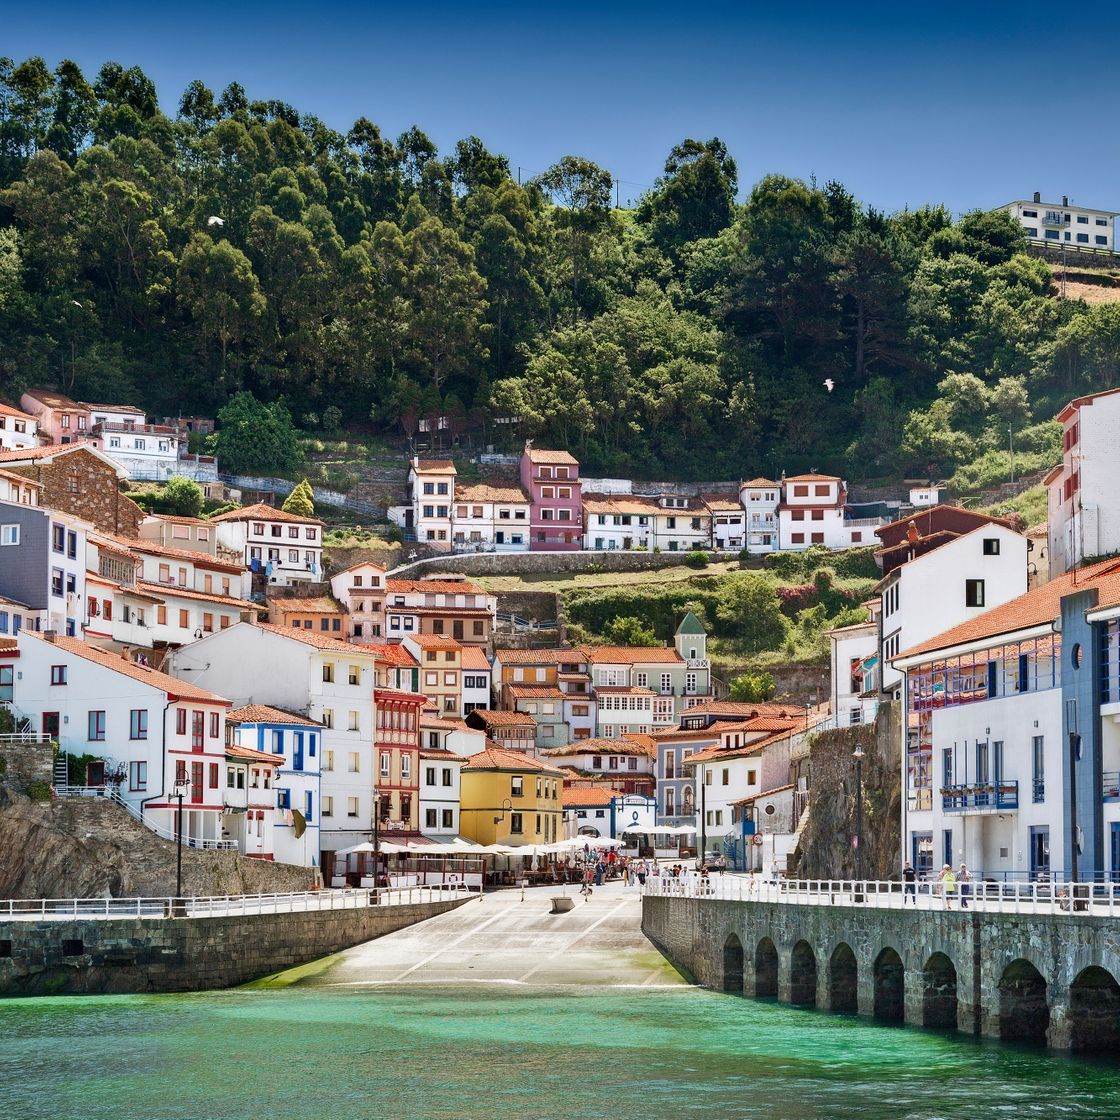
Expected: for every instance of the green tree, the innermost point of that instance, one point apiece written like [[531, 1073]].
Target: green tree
[[751, 688], [255, 438], [181, 496], [628, 630], [301, 500], [749, 610]]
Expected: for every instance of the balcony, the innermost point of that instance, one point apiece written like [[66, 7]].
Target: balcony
[[1110, 785], [980, 798], [697, 662], [1055, 218]]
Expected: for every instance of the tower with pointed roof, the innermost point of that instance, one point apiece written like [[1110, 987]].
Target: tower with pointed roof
[[691, 638]]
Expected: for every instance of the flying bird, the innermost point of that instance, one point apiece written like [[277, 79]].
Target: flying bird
[[214, 220], [829, 384]]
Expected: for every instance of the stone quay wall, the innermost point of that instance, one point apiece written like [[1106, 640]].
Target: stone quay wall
[[1011, 976], [130, 955], [24, 766]]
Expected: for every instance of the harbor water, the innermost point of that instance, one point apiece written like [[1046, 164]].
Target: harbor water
[[493, 1050]]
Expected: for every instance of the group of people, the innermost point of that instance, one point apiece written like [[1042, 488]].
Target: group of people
[[952, 882]]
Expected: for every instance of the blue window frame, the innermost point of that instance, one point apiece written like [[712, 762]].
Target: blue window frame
[[284, 798], [307, 806], [1024, 673], [947, 847]]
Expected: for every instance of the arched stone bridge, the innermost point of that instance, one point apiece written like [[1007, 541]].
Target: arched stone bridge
[[1049, 979]]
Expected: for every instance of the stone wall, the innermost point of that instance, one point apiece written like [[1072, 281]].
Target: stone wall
[[81, 484], [955, 969], [825, 848], [531, 563], [24, 765], [90, 848], [183, 954]]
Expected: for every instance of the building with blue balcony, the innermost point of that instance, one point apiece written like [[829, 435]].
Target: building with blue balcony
[[1012, 736], [296, 740]]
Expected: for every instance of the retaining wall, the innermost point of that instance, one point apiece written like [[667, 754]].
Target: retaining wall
[[183, 954]]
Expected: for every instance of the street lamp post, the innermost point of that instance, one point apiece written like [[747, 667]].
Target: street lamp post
[[178, 791], [857, 754], [703, 815], [376, 840]]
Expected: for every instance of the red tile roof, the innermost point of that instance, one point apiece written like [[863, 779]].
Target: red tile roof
[[393, 654], [474, 659], [247, 754], [484, 492], [543, 455], [433, 466], [18, 413], [813, 478], [1077, 402], [434, 641], [313, 638], [51, 451], [261, 512], [501, 718], [594, 796], [622, 747], [497, 758], [534, 692], [434, 586], [756, 482], [154, 548], [717, 753], [632, 655], [118, 664], [168, 591], [265, 713], [538, 656]]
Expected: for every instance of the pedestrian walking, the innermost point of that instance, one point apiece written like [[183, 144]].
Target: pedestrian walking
[[721, 864], [964, 878], [948, 881], [909, 883], [600, 869]]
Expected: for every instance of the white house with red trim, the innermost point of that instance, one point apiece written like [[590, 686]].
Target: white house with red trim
[[285, 547], [250, 795], [148, 728]]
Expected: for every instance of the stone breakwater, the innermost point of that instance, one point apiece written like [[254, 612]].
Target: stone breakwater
[[1051, 980], [119, 955]]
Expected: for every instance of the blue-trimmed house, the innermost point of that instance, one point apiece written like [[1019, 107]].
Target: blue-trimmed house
[[299, 805]]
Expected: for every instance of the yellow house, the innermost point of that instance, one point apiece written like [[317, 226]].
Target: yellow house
[[509, 798]]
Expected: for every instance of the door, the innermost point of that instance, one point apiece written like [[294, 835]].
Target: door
[[51, 724], [196, 782], [922, 852], [1115, 864], [1040, 851]]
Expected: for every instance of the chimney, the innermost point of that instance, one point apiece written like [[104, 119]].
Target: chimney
[[1037, 196], [50, 635], [1065, 200]]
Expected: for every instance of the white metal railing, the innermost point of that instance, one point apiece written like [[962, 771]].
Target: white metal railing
[[25, 737], [301, 902], [986, 896], [107, 794]]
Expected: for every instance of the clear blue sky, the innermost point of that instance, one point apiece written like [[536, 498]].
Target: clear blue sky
[[966, 104]]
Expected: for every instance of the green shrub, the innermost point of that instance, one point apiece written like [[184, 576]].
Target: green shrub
[[752, 688], [697, 559], [39, 791]]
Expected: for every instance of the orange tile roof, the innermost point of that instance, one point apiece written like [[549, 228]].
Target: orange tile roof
[[261, 512], [620, 504], [247, 754], [313, 638], [165, 591], [758, 482], [393, 654], [1077, 402], [534, 692], [497, 758], [18, 413], [543, 455], [722, 501], [435, 586], [813, 478], [433, 466], [433, 641], [52, 398], [484, 492], [744, 709], [440, 756], [632, 655], [31, 454], [265, 713], [624, 747], [717, 753], [154, 548], [1034, 608], [321, 604], [118, 664], [21, 479], [474, 659], [499, 717], [538, 656], [587, 795]]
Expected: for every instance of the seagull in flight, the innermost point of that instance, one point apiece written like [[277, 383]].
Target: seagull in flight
[[829, 384]]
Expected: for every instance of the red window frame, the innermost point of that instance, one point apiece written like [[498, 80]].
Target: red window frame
[[214, 723], [181, 721], [198, 729]]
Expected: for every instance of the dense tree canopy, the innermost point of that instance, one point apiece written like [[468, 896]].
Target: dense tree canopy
[[245, 248]]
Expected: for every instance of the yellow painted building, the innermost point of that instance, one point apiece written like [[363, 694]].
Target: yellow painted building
[[509, 798]]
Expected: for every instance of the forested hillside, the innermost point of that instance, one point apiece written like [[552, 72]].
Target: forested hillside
[[244, 245]]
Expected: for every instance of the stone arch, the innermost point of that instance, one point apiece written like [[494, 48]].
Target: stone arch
[[1094, 1011], [803, 975], [766, 970], [843, 977], [1024, 1012], [733, 964], [890, 978], [939, 992]]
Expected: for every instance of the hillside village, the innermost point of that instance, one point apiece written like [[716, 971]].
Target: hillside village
[[299, 709]]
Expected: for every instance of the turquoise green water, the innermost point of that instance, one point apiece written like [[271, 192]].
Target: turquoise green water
[[467, 1052]]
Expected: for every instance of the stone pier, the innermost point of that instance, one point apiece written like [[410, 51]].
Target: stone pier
[[1047, 979]]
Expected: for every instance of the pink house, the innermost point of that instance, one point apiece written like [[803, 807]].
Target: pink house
[[551, 479], [61, 420]]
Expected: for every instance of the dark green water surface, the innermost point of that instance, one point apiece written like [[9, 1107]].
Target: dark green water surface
[[491, 1052]]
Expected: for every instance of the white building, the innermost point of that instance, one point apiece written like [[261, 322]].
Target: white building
[[812, 512], [624, 762], [961, 579], [361, 590], [728, 520], [328, 681], [439, 793], [431, 484], [19, 490], [294, 743], [285, 547], [249, 796], [682, 525], [150, 729], [195, 534], [477, 678], [1084, 513], [760, 498], [145, 451], [1061, 224], [618, 521], [18, 429], [853, 658], [489, 518]]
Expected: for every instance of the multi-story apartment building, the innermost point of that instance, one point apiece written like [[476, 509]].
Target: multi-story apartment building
[[760, 498], [1084, 516], [477, 676], [551, 479], [439, 794], [328, 681], [249, 799], [728, 520], [627, 763], [60, 419], [322, 612], [514, 731], [280, 547], [431, 484], [361, 591], [145, 451], [441, 672], [488, 518], [510, 798], [1062, 224], [1012, 746], [852, 666], [397, 746], [18, 429], [443, 607], [618, 521], [812, 512], [682, 525]]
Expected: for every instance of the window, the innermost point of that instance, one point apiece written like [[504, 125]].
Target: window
[[406, 766], [991, 546], [517, 786], [973, 592], [208, 622], [354, 763], [138, 776], [328, 717], [58, 674], [1099, 240], [138, 723], [797, 538], [9, 534], [1038, 769], [355, 674], [1082, 237], [1082, 219], [328, 672], [448, 818], [515, 825], [385, 760], [353, 721], [56, 581], [351, 807], [1051, 234], [96, 727]]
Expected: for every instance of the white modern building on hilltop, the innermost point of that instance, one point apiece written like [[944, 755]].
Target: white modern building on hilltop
[[1064, 224]]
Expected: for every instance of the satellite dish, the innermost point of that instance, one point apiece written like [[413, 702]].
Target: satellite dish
[[299, 823]]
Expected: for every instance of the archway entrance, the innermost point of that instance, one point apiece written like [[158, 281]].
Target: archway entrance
[[842, 978], [939, 993], [803, 976], [1094, 1011], [1024, 1014], [889, 975], [733, 964], [766, 970]]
